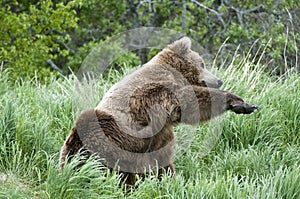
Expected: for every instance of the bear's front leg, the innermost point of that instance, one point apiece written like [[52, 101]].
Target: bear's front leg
[[199, 104], [170, 169]]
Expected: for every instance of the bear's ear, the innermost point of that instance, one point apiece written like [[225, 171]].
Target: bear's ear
[[181, 46]]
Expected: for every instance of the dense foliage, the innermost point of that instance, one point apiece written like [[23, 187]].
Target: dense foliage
[[31, 35], [42, 36]]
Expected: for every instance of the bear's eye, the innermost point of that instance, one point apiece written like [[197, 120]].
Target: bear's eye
[[203, 83], [202, 65]]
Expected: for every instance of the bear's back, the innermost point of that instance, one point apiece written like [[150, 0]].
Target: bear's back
[[118, 96]]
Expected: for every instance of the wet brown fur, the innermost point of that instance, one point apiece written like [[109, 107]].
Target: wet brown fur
[[166, 91]]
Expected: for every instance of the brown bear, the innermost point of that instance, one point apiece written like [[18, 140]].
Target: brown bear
[[131, 130]]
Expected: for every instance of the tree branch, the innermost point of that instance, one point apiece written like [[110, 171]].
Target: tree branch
[[183, 26], [210, 10], [65, 45], [259, 8], [240, 13], [53, 66]]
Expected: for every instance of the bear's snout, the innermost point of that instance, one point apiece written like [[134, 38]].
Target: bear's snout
[[219, 83], [215, 84]]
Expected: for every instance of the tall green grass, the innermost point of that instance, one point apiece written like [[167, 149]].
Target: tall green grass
[[247, 156]]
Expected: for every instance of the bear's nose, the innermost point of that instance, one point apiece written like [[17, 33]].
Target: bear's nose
[[220, 83]]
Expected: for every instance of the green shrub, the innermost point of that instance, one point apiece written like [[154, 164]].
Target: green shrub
[[32, 35]]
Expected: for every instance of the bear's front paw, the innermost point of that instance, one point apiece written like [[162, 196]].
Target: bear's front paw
[[243, 108], [237, 105]]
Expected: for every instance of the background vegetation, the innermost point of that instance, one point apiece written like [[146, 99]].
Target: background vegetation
[[42, 36], [254, 156]]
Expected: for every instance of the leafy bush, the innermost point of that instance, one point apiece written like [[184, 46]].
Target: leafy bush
[[65, 33], [34, 34]]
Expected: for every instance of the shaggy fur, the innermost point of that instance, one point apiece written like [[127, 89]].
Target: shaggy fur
[[132, 127]]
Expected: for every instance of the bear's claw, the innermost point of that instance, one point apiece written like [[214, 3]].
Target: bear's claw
[[244, 108]]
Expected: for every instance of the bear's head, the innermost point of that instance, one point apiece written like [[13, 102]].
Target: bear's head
[[194, 64]]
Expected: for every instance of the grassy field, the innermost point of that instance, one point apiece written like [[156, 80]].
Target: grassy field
[[248, 156]]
